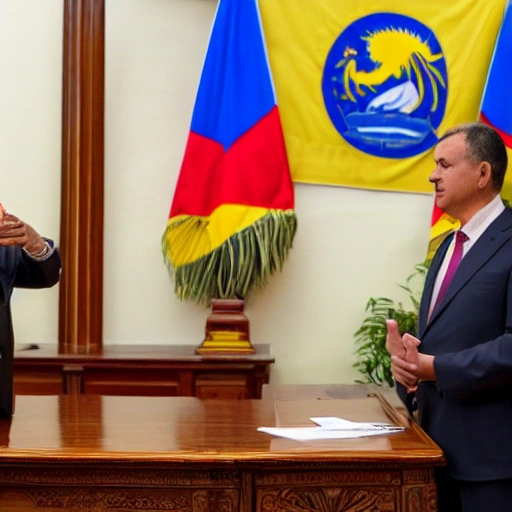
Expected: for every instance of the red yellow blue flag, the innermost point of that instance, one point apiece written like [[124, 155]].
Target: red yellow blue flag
[[231, 221]]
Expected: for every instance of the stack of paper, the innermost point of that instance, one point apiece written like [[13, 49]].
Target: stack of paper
[[330, 427]]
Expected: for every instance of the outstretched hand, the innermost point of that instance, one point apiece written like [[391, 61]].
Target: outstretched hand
[[404, 356], [14, 231], [394, 343], [406, 368]]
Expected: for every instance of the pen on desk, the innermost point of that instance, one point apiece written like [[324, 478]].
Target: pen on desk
[[386, 428]]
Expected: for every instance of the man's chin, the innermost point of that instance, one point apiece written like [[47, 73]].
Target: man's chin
[[439, 202]]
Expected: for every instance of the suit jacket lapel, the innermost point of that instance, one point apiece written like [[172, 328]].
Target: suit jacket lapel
[[492, 239], [429, 283]]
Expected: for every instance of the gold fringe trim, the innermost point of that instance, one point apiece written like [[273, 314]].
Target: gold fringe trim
[[245, 260]]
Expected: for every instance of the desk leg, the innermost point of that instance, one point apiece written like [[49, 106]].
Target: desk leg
[[419, 491], [246, 492]]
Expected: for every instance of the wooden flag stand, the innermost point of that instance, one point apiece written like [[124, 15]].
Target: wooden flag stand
[[227, 329]]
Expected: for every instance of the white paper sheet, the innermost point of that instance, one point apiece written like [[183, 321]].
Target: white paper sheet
[[332, 428]]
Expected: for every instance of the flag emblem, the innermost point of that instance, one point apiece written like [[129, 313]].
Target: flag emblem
[[384, 85]]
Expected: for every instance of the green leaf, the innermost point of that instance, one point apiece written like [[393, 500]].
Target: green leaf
[[373, 359]]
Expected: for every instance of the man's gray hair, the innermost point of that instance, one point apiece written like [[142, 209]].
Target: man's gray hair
[[484, 144]]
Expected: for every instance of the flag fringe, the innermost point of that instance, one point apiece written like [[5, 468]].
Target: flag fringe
[[243, 261]]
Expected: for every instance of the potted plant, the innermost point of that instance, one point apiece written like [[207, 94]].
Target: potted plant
[[373, 360]]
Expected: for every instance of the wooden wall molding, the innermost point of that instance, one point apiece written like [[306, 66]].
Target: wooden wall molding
[[81, 235]]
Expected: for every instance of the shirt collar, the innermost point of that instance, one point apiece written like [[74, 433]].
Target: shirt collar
[[483, 218]]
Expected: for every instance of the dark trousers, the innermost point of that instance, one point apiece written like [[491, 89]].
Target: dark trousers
[[457, 496]]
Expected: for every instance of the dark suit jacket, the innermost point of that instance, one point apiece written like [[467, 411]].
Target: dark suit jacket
[[468, 411], [18, 269]]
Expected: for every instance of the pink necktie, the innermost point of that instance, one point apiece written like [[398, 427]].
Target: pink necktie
[[460, 238]]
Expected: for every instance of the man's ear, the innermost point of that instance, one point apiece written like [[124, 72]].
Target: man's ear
[[485, 175]]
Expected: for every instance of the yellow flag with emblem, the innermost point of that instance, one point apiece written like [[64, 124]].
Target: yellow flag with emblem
[[366, 88]]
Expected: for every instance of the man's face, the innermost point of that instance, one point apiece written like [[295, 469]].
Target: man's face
[[455, 178]]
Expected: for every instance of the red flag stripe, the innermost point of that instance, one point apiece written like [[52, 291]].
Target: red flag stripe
[[507, 139], [252, 172]]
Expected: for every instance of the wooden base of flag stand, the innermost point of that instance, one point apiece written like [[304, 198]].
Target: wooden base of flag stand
[[227, 329]]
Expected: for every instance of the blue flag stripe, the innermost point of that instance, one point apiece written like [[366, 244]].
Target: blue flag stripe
[[497, 98], [235, 90]]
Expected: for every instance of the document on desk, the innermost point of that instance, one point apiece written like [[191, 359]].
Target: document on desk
[[330, 427]]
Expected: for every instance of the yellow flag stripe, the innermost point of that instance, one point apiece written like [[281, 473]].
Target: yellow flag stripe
[[190, 238]]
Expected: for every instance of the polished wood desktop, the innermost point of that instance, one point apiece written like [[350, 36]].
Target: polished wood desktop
[[107, 453]]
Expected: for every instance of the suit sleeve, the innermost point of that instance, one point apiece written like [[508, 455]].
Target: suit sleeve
[[31, 273], [480, 370]]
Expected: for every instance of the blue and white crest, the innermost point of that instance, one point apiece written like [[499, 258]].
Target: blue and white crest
[[385, 85]]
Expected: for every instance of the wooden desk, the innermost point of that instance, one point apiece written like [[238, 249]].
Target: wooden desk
[[105, 453], [142, 370]]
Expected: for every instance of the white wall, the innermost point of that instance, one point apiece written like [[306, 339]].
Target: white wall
[[350, 244], [30, 140]]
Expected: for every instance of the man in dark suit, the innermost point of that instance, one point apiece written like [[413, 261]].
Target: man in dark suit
[[29, 261], [459, 370]]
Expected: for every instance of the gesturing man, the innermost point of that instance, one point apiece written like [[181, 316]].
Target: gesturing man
[[29, 261]]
